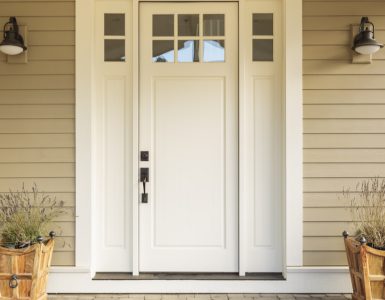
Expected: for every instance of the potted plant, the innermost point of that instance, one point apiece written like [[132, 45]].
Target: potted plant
[[366, 249], [25, 253]]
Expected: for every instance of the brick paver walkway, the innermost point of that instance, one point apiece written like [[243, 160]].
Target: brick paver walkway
[[201, 297]]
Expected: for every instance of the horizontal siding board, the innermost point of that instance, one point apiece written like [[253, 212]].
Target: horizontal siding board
[[331, 229], [344, 126], [41, 155], [38, 68], [335, 185], [51, 38], [348, 82], [37, 126], [65, 229], [51, 52], [32, 170], [63, 258], [328, 22], [48, 185], [324, 258], [65, 244], [337, 170], [44, 23], [325, 200], [41, 82], [341, 111], [358, 158], [37, 97], [37, 9], [341, 67], [335, 38], [335, 141], [318, 96], [322, 8], [323, 244], [37, 111], [327, 52], [327, 214], [28, 141]]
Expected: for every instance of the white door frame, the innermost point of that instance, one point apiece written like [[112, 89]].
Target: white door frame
[[292, 87]]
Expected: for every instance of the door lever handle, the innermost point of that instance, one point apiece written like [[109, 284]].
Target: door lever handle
[[144, 175]]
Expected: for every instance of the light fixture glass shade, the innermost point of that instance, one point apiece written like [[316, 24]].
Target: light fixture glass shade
[[367, 49], [364, 42], [11, 49], [13, 42]]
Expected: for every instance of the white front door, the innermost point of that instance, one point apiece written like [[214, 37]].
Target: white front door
[[189, 124]]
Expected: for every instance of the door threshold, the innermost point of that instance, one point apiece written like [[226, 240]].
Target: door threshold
[[187, 276]]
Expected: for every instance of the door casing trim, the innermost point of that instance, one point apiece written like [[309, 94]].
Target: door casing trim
[[85, 133]]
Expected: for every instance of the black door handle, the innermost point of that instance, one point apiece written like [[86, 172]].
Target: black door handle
[[144, 177]]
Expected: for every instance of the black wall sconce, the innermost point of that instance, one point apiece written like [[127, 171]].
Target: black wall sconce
[[364, 42], [13, 43]]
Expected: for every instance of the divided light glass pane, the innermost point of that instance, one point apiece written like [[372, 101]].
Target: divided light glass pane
[[163, 25], [214, 51], [263, 50], [188, 51], [162, 51], [114, 50], [114, 24], [214, 25], [262, 24], [188, 25]]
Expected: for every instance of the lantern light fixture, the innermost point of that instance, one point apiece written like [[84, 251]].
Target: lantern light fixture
[[13, 43], [364, 42]]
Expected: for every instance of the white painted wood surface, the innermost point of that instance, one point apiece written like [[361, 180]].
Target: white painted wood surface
[[113, 122], [264, 147], [189, 123]]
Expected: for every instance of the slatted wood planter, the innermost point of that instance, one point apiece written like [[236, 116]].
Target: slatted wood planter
[[367, 269], [24, 272]]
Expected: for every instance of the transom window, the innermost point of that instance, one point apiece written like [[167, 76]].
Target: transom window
[[183, 38]]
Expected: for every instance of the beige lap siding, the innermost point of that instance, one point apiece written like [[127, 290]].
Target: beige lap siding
[[37, 110], [344, 120]]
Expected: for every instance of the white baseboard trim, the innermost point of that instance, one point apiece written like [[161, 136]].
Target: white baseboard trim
[[299, 280]]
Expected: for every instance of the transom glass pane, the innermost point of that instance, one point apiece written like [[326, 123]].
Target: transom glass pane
[[263, 50], [163, 25], [262, 24], [188, 51], [214, 51], [114, 24], [188, 25], [163, 51], [214, 25]]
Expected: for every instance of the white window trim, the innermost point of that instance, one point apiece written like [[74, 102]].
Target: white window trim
[[293, 138]]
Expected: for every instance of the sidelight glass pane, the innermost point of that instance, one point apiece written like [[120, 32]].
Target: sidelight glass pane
[[214, 51], [214, 25], [163, 25], [163, 51], [263, 50], [188, 25], [114, 50], [262, 24], [114, 24], [188, 51]]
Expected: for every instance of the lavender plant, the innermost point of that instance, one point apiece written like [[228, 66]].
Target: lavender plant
[[27, 214], [367, 206]]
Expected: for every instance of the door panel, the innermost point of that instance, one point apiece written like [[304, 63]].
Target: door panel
[[188, 123]]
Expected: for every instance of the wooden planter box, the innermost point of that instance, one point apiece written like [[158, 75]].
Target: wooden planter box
[[24, 272], [367, 269]]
